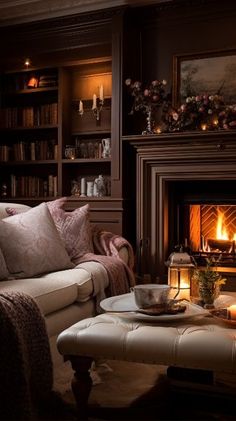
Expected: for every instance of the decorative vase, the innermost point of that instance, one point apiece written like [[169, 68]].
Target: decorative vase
[[208, 292], [150, 123]]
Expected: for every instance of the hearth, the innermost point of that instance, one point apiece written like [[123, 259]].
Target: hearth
[[203, 219], [184, 182]]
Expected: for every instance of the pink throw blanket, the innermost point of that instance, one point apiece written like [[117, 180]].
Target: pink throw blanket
[[26, 373], [106, 252]]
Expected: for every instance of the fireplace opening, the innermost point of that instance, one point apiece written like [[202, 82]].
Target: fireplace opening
[[202, 217]]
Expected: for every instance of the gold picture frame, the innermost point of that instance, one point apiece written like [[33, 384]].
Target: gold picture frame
[[205, 73]]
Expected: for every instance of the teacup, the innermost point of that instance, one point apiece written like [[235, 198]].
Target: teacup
[[147, 295]]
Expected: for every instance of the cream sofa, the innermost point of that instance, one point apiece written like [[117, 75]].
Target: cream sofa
[[64, 296]]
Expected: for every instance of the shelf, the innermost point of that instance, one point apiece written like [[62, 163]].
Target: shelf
[[23, 199], [32, 91], [85, 160], [91, 133], [20, 128], [36, 162]]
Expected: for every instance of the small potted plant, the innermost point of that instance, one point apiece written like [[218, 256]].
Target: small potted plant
[[209, 282]]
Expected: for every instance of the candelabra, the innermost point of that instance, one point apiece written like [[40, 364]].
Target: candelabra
[[97, 107], [98, 103]]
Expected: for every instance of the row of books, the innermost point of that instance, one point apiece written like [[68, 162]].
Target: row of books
[[29, 116], [32, 151], [32, 186]]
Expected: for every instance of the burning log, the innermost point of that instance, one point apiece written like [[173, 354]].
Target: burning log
[[225, 246]]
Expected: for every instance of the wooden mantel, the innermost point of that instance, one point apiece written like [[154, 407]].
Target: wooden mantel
[[160, 161]]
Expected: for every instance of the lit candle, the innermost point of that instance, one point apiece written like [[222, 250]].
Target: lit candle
[[94, 107], [81, 107], [101, 95], [184, 292], [203, 127], [158, 130], [231, 312]]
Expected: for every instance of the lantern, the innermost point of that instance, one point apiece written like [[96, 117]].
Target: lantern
[[180, 268]]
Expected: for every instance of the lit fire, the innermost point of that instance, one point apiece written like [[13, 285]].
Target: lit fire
[[221, 231]]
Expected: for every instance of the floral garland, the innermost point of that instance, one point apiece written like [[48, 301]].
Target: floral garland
[[201, 112]]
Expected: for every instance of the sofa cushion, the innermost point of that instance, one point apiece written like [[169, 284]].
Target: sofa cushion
[[50, 294], [80, 277], [31, 244], [3, 268], [74, 228]]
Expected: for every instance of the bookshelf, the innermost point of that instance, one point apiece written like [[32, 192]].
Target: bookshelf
[[87, 87], [29, 134], [53, 136]]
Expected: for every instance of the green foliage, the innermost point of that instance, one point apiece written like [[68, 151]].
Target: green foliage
[[208, 275]]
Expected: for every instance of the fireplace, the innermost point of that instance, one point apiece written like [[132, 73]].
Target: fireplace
[[184, 181], [202, 218]]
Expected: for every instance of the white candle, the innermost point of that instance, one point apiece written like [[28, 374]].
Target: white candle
[[101, 95], [83, 187], [231, 312], [94, 107], [81, 107]]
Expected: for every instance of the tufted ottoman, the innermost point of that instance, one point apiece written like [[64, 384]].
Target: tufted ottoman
[[201, 343]]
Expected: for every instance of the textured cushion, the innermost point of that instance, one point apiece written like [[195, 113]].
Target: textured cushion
[[74, 228], [3, 268], [31, 244]]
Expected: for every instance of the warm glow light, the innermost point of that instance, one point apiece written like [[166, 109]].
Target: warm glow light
[[158, 130], [221, 232], [203, 127], [215, 122], [184, 292], [179, 280], [231, 312], [27, 62], [234, 237]]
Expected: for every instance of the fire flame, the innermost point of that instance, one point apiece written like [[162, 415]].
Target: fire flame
[[221, 232]]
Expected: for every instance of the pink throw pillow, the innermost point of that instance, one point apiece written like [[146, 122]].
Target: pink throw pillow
[[74, 228]]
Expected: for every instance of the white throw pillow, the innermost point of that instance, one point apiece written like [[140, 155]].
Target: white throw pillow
[[31, 244]]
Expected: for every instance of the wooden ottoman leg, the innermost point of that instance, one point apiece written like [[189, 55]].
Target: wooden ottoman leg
[[81, 383]]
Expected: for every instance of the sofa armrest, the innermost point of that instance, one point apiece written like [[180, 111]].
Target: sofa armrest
[[124, 254], [109, 244]]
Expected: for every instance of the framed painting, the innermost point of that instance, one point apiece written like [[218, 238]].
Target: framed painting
[[205, 73]]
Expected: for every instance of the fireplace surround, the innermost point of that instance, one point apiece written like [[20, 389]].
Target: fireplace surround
[[176, 175]]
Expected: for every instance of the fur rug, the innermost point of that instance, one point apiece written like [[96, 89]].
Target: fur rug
[[125, 391]]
